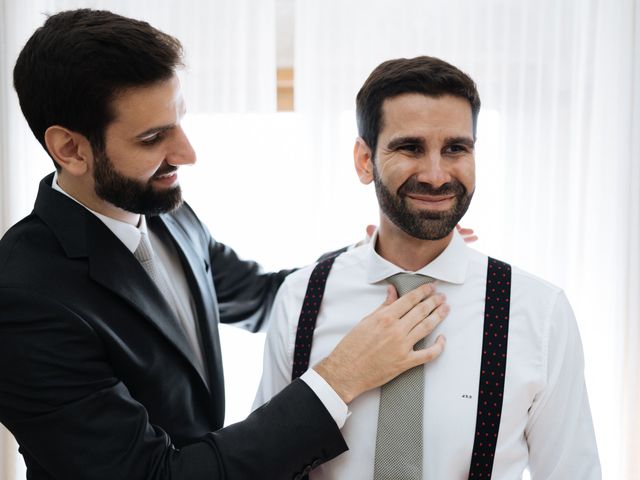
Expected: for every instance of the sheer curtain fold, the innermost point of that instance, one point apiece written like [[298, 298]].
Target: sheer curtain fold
[[631, 411], [557, 153]]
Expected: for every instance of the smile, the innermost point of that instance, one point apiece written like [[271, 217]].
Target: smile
[[167, 179], [432, 201]]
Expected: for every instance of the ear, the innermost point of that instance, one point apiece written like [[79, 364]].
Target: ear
[[70, 150], [363, 161]]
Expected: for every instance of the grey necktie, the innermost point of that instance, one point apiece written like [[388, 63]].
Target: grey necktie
[[144, 254], [399, 438]]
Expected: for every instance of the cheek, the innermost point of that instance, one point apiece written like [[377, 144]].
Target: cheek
[[147, 165], [466, 173], [394, 172], [136, 164]]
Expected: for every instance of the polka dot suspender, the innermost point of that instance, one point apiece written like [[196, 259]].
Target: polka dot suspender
[[492, 366], [309, 315]]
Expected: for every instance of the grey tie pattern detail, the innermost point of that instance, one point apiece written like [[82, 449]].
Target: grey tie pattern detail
[[147, 258], [144, 254], [399, 438]]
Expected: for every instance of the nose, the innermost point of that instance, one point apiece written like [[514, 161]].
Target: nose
[[182, 153], [433, 170]]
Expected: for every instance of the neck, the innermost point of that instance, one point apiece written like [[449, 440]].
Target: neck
[[407, 252], [84, 193]]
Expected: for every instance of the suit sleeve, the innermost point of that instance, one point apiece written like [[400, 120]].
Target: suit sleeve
[[244, 292], [73, 418], [560, 431]]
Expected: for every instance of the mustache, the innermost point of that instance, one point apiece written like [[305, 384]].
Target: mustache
[[420, 188]]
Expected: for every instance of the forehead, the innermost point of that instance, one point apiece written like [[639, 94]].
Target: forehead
[[138, 107], [419, 115]]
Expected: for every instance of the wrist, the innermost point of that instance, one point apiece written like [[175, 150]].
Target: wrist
[[337, 379]]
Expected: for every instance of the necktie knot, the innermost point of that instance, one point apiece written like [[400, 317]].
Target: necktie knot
[[144, 255], [405, 282], [144, 252]]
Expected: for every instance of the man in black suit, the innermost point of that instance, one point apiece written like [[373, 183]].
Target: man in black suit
[[112, 289]]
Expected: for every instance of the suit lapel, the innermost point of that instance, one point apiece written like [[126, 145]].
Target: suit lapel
[[121, 273], [82, 235], [197, 271]]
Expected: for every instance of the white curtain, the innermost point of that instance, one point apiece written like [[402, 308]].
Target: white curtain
[[558, 153], [230, 56], [230, 68]]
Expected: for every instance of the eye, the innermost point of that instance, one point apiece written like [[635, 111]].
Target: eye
[[413, 148], [456, 148], [153, 139]]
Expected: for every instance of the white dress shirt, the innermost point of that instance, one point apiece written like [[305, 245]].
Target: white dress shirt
[[546, 422]]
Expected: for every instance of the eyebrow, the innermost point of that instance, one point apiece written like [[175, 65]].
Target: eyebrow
[[153, 131], [396, 142], [469, 142], [406, 140]]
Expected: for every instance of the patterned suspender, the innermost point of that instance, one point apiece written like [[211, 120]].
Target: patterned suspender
[[492, 368], [309, 314], [492, 365]]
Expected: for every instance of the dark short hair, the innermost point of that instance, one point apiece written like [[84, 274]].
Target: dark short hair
[[426, 75], [71, 69]]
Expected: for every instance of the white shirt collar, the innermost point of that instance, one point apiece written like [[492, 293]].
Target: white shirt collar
[[126, 233], [450, 266]]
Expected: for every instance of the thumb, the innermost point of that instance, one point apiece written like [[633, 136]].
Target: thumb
[[392, 295]]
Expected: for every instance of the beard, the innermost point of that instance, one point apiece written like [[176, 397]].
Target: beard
[[134, 195], [422, 224]]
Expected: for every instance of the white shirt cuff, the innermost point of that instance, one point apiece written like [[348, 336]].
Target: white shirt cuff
[[327, 395]]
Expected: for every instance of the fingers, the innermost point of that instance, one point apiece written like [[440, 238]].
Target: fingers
[[392, 295], [428, 324], [470, 238], [422, 310], [380, 346], [404, 304], [464, 231], [430, 353], [370, 230], [467, 234]]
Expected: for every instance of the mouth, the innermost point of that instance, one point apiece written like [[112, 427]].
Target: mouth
[[167, 179], [432, 202]]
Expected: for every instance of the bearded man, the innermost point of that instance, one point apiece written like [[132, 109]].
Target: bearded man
[[508, 393]]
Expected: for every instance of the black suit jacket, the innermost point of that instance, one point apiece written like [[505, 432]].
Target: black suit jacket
[[98, 382]]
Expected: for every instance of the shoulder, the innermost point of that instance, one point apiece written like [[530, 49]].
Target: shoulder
[[25, 246], [544, 306], [539, 308], [524, 285], [344, 264], [536, 294]]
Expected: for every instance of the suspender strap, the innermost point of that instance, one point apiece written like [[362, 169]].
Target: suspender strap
[[492, 368], [309, 314]]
